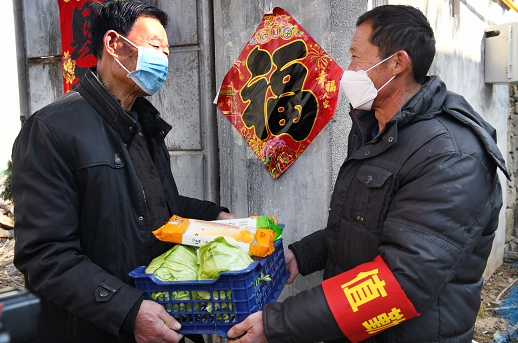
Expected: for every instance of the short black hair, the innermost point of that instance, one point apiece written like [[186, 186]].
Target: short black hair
[[120, 16], [401, 27]]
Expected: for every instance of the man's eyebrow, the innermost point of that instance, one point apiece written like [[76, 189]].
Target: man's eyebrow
[[153, 37]]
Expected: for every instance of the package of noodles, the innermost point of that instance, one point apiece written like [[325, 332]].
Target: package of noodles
[[193, 232], [264, 222]]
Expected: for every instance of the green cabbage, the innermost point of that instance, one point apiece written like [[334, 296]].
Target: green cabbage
[[219, 256], [179, 263]]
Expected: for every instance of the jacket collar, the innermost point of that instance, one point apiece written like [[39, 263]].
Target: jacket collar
[[149, 119], [425, 103], [111, 111], [432, 99]]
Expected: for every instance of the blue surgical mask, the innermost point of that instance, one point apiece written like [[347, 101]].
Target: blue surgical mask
[[151, 71]]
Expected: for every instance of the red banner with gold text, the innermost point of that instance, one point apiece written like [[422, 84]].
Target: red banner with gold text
[[75, 18]]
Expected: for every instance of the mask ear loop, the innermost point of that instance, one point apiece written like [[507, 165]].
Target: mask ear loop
[[127, 40], [392, 78], [116, 59], [123, 67], [386, 83], [381, 62]]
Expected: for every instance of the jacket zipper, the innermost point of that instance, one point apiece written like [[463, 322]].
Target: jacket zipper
[[145, 225]]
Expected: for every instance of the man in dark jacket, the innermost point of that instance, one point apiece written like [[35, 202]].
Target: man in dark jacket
[[414, 209], [91, 180]]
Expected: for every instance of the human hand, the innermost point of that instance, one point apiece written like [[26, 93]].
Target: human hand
[[224, 216], [252, 326], [291, 265], [155, 325]]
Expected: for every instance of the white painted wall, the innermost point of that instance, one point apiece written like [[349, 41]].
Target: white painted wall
[[9, 97], [459, 62]]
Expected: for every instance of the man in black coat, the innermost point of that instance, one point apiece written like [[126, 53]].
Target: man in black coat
[[414, 209], [92, 179]]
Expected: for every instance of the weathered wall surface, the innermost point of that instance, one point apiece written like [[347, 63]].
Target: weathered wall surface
[[300, 197], [185, 100], [342, 31], [42, 39], [511, 236]]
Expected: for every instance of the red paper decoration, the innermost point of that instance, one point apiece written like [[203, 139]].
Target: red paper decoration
[[281, 92], [74, 17]]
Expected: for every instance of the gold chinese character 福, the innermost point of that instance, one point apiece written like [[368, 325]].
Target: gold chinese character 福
[[330, 86]]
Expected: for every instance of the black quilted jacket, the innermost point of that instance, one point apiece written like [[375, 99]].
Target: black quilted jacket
[[81, 212], [424, 194]]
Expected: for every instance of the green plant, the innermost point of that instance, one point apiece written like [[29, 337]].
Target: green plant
[[7, 193]]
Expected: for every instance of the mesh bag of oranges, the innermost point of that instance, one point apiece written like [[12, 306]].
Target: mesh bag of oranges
[[258, 241]]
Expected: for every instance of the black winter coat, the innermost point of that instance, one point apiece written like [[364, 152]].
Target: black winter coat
[[80, 222], [424, 194]]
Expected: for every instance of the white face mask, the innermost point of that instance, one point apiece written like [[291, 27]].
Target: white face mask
[[359, 88]]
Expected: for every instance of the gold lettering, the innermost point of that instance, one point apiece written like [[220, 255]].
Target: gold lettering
[[384, 321], [366, 291]]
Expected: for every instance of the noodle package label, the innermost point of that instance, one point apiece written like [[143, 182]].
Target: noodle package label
[[281, 92], [193, 232]]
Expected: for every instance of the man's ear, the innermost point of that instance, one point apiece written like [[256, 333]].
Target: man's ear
[[403, 62], [112, 41]]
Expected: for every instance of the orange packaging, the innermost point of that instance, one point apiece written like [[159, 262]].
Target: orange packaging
[[193, 232]]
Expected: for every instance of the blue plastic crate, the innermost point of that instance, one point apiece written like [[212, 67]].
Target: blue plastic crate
[[233, 296]]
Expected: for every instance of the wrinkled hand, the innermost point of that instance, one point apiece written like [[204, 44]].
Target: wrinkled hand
[[225, 216], [291, 265], [252, 326], [155, 325]]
